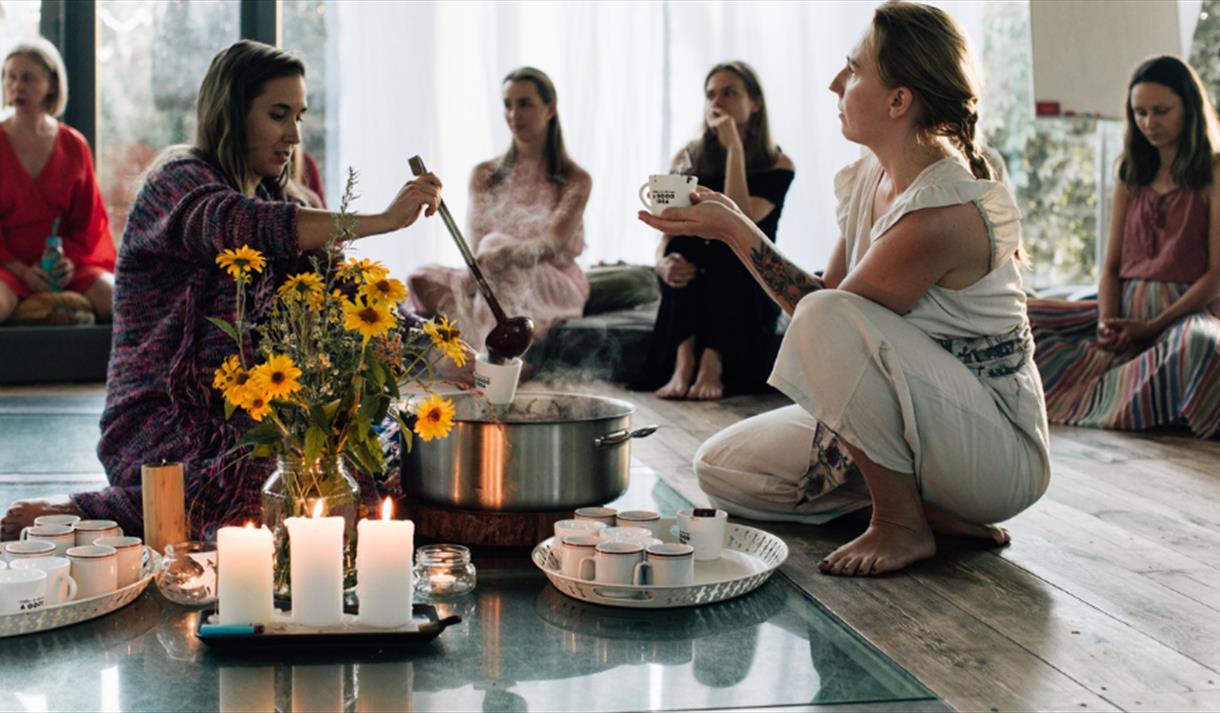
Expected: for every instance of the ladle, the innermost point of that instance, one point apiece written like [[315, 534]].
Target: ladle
[[511, 336]]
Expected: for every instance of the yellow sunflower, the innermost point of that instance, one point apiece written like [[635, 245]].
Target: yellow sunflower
[[367, 269], [446, 337], [241, 261], [434, 417], [276, 377], [383, 290], [237, 382], [371, 320], [226, 375], [305, 288], [256, 404]]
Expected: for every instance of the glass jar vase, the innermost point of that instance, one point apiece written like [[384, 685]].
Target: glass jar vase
[[292, 491], [444, 570]]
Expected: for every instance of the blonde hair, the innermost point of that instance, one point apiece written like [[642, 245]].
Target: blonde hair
[[923, 49], [42, 52]]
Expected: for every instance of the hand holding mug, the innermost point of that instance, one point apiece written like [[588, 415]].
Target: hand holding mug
[[711, 215]]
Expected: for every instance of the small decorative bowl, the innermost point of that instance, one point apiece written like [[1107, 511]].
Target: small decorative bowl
[[187, 574]]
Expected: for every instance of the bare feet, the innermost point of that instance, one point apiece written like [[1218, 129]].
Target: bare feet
[[884, 547], [708, 386], [684, 370], [22, 513], [942, 523]]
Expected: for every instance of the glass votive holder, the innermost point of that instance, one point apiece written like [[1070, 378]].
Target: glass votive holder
[[187, 574], [444, 570]]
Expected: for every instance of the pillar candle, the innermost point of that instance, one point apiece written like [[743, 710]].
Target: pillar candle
[[384, 553], [247, 689], [316, 548], [244, 564]]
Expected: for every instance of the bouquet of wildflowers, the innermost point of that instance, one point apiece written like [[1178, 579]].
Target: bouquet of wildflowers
[[332, 357]]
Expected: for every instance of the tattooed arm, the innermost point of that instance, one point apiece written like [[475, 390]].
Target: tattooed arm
[[784, 282]]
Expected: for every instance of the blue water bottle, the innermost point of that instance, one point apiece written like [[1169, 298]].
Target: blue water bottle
[[52, 255]]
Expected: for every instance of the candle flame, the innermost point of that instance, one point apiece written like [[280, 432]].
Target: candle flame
[[249, 525], [387, 509], [318, 505]]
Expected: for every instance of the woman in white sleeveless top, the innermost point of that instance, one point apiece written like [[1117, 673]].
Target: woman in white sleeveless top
[[910, 360]]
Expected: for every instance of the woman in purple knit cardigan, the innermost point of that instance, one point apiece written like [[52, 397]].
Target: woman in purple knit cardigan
[[224, 192]]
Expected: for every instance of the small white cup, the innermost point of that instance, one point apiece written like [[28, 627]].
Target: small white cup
[[61, 536], [89, 530], [668, 565], [22, 590], [703, 532], [68, 520], [95, 569], [605, 515], [28, 548], [563, 528], [625, 534], [613, 563], [667, 190], [573, 549], [498, 382], [60, 585], [131, 557], [646, 519]]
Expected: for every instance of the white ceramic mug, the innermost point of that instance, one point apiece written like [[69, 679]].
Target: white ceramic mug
[[646, 519], [703, 532], [613, 563], [625, 534], [605, 515], [131, 557], [61, 536], [669, 564], [28, 548], [60, 585], [89, 530], [67, 520], [573, 549], [22, 590], [667, 190], [574, 528], [95, 569], [498, 382]]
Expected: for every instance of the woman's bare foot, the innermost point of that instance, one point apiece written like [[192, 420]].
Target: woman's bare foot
[[684, 370], [943, 523], [708, 386], [884, 547], [22, 513]]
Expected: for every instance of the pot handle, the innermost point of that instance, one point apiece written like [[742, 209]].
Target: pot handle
[[622, 436]]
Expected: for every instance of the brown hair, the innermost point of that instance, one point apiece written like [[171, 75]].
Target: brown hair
[[707, 154], [234, 79], [558, 163], [1192, 166], [43, 53], [922, 48]]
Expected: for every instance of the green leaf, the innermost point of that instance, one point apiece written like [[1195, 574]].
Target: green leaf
[[408, 436], [263, 450], [230, 407], [318, 416], [315, 440], [376, 371], [265, 432], [381, 404], [226, 328]]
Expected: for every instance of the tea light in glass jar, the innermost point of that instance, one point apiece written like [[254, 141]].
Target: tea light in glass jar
[[444, 570]]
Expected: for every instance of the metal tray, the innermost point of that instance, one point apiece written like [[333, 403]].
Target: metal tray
[[285, 637]]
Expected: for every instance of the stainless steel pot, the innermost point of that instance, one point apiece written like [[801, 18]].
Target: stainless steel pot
[[544, 452]]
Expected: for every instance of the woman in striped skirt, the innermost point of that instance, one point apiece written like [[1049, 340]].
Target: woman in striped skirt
[[1144, 354]]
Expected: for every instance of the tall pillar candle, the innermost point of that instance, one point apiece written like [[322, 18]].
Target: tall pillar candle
[[384, 552], [163, 497], [245, 574], [316, 550]]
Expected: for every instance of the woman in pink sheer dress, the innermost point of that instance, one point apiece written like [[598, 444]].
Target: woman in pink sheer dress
[[526, 225]]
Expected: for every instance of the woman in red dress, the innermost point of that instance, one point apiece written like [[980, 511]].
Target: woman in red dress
[[46, 173]]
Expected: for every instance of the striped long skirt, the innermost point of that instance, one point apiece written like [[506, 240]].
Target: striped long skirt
[[1175, 380]]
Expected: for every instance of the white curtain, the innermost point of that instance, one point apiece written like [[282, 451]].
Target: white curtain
[[424, 78]]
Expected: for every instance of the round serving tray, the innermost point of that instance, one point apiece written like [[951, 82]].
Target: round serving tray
[[74, 612], [749, 557]]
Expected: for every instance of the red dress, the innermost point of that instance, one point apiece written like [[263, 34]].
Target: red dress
[[66, 189]]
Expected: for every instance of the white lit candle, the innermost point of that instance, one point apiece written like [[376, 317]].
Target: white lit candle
[[384, 551], [316, 547], [244, 555]]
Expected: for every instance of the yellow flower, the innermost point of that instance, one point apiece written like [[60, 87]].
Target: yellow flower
[[276, 377], [446, 336], [371, 320], [237, 384], [384, 290], [256, 404], [226, 375], [434, 418], [366, 269], [241, 261], [305, 287]]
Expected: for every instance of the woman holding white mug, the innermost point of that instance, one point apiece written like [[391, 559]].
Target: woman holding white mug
[[713, 317], [910, 361]]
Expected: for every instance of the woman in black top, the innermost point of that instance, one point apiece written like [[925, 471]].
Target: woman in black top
[[715, 323]]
